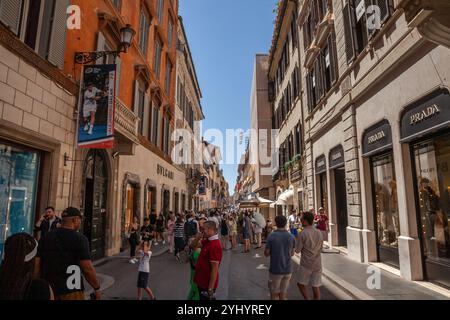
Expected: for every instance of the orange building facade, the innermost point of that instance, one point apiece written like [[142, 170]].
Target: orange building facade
[[137, 176]]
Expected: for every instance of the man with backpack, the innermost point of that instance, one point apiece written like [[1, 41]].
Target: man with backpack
[[190, 227]]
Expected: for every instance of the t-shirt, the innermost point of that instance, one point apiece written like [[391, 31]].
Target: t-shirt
[[58, 250], [281, 244], [211, 251], [146, 233], [89, 96], [309, 244], [152, 218], [322, 222], [144, 261], [178, 230]]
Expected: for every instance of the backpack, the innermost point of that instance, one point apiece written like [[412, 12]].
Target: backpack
[[190, 229]]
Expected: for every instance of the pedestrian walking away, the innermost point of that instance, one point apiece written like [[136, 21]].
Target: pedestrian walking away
[[207, 268], [170, 228], [59, 252], [280, 246], [309, 245], [179, 237], [16, 271], [144, 270]]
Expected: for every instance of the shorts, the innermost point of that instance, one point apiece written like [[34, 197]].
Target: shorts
[[324, 235], [87, 109], [307, 277], [246, 235], [142, 281], [279, 283]]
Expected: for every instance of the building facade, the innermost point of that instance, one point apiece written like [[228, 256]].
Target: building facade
[[37, 112], [375, 105], [260, 148]]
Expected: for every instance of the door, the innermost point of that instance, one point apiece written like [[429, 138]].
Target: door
[[341, 206], [95, 200]]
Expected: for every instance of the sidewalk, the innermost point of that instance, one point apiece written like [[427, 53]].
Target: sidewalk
[[352, 277]]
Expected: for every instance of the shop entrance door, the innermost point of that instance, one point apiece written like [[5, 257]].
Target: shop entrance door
[[95, 199], [341, 205]]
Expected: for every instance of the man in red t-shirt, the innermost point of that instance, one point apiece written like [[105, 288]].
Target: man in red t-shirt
[[207, 268]]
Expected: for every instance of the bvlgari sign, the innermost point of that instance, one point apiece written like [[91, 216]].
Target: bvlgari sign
[[160, 170], [426, 116], [377, 138]]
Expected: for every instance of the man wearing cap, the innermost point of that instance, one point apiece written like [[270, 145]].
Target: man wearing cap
[[63, 254]]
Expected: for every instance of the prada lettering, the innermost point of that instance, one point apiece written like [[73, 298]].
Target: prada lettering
[[164, 172], [424, 114], [336, 156], [377, 136]]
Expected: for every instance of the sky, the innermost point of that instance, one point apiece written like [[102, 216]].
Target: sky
[[224, 37]]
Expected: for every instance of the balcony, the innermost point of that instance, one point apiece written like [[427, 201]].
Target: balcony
[[126, 128]]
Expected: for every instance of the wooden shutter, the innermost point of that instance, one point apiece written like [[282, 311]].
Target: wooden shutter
[[350, 49], [158, 129], [10, 14], [305, 35], [58, 37], [309, 91], [44, 40], [136, 98], [146, 117], [386, 8], [333, 58]]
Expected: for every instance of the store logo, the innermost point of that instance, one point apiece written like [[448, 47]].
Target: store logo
[[377, 136], [336, 156], [425, 114], [164, 172]]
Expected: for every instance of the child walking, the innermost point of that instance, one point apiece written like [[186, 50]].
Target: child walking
[[144, 270]]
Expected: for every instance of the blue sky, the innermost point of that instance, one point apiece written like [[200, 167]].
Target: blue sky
[[224, 37]]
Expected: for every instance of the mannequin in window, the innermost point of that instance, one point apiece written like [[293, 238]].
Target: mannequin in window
[[382, 208], [429, 204], [394, 212]]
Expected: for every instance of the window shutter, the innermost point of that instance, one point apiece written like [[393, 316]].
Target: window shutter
[[45, 31], [146, 120], [158, 129], [10, 14], [136, 98], [386, 9], [333, 58], [58, 36], [349, 33]]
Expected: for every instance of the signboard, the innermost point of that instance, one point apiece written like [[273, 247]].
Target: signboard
[[321, 164], [96, 108], [377, 138], [336, 157], [427, 115]]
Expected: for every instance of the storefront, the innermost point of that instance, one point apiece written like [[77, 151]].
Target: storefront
[[377, 148], [321, 180], [337, 171], [425, 127], [19, 184]]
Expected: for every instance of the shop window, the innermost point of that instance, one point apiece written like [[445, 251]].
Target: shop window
[[19, 171], [386, 201], [432, 165], [323, 200]]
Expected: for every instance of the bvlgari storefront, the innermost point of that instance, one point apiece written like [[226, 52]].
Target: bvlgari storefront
[[425, 127], [377, 148]]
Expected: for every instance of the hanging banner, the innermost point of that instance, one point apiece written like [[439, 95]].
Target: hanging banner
[[97, 107], [202, 186]]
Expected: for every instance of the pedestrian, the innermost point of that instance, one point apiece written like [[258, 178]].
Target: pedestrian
[[321, 220], [196, 248], [62, 251], [280, 246], [269, 227], [144, 270], [232, 227], [309, 245], [133, 239], [146, 231], [160, 229], [47, 222], [170, 227], [153, 217], [212, 217], [293, 223], [190, 227], [224, 232], [178, 233], [258, 224], [246, 232], [207, 268], [16, 271]]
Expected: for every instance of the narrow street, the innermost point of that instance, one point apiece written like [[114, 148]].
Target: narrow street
[[242, 277]]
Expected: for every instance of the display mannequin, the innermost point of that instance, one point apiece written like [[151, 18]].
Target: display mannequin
[[394, 212]]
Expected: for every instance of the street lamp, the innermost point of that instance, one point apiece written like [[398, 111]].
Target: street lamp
[[126, 38]]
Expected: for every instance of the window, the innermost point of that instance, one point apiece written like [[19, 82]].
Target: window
[[159, 10], [143, 32], [298, 140], [294, 31], [168, 75], [155, 124], [170, 33], [157, 62], [40, 24], [140, 108]]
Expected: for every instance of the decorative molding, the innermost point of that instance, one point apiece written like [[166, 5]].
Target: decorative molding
[[9, 40]]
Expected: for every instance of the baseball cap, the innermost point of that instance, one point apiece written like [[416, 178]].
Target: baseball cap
[[71, 212]]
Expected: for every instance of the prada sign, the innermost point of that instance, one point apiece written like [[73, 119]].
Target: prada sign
[[161, 171], [321, 165], [426, 116], [377, 138], [336, 157]]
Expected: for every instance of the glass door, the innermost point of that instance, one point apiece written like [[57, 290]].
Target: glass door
[[19, 170]]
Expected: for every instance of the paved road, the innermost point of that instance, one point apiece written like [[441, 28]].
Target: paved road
[[242, 277]]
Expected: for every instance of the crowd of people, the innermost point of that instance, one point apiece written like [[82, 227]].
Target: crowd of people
[[49, 265]]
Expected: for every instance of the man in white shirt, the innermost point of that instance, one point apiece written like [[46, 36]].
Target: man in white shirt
[[91, 96]]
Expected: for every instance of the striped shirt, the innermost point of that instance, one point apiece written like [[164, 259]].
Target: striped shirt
[[178, 230]]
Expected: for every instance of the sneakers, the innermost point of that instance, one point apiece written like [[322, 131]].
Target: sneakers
[[132, 261], [177, 257], [156, 243], [164, 242], [86, 127], [91, 129]]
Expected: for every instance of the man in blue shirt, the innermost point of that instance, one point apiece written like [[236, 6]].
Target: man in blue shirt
[[280, 246]]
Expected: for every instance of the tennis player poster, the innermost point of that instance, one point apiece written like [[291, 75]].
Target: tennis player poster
[[97, 106]]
